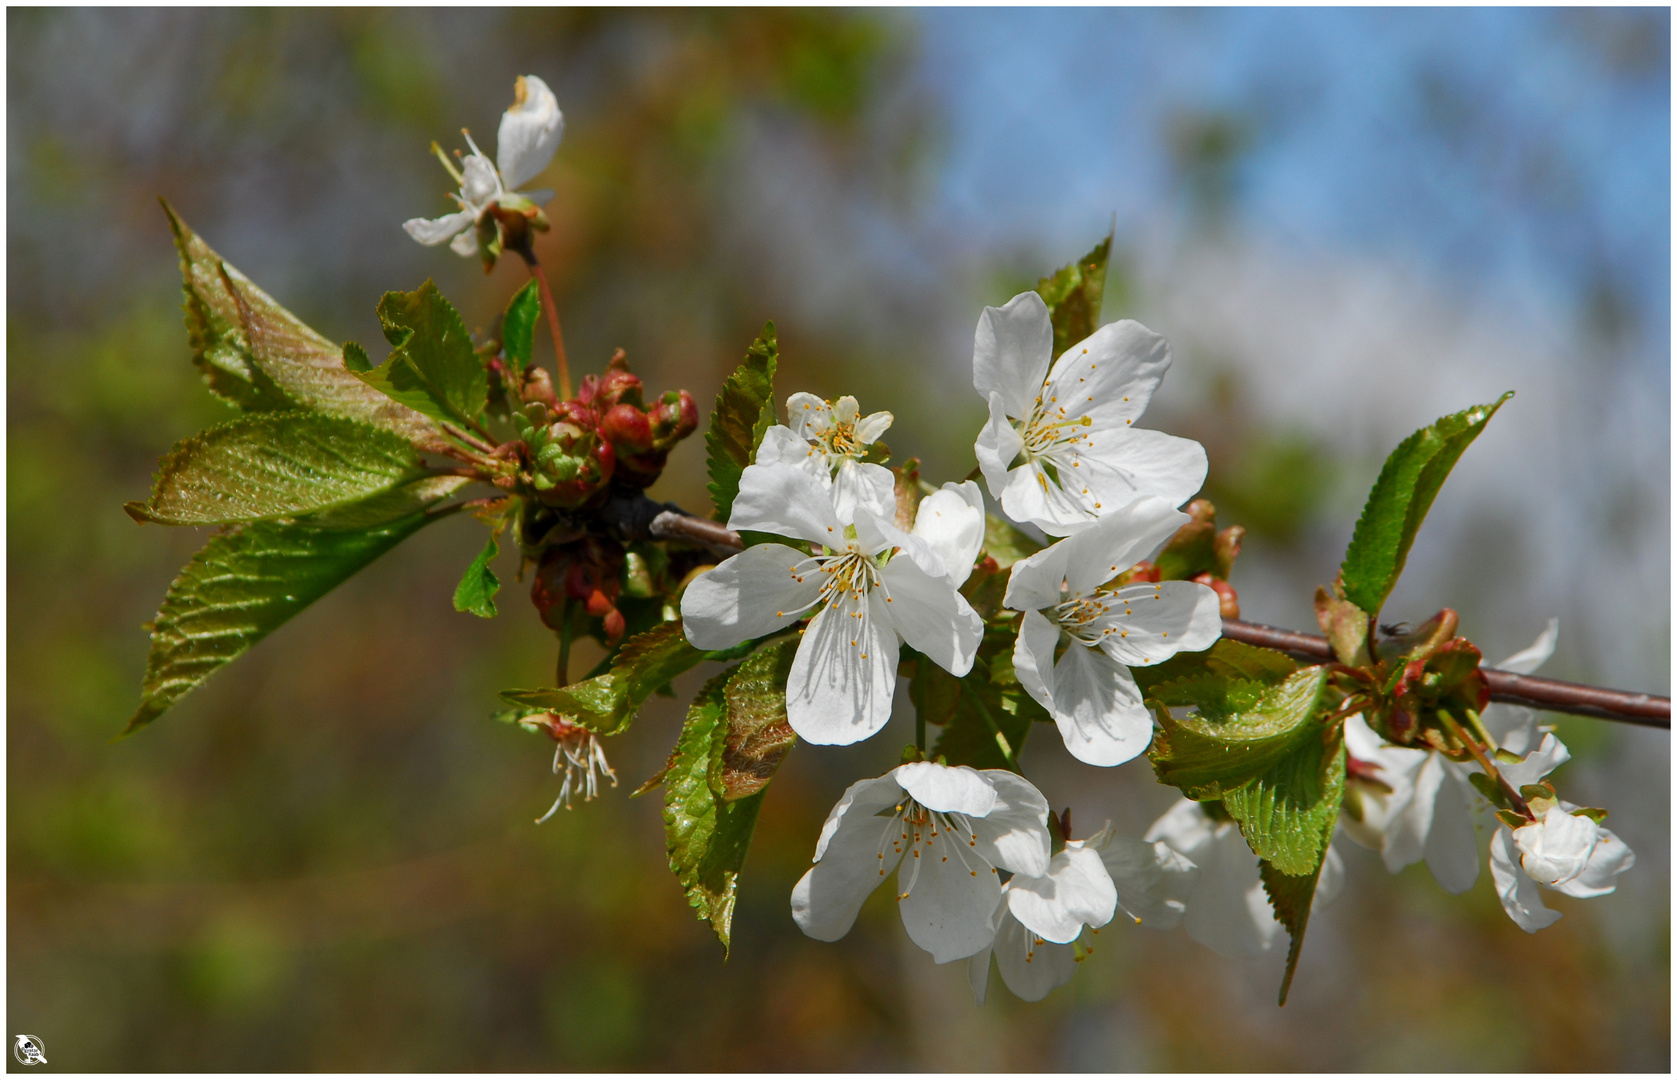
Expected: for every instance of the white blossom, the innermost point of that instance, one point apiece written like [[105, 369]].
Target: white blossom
[[528, 137], [867, 588], [1061, 448], [1562, 850], [1089, 690], [1411, 803], [946, 832], [830, 439], [1041, 921]]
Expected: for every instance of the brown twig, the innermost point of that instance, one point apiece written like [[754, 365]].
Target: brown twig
[[1648, 710]]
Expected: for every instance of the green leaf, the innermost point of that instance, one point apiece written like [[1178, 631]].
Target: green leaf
[[389, 506], [518, 326], [432, 367], [356, 358], [707, 835], [1006, 544], [275, 464], [258, 356], [758, 734], [1291, 896], [744, 412], [1227, 658], [1073, 296], [1242, 728], [477, 589], [1288, 813], [1399, 502], [241, 587], [606, 704]]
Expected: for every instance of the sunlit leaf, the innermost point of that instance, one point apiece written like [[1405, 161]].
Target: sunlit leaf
[[744, 412], [606, 704], [259, 356], [432, 367], [243, 585], [275, 464], [1239, 728], [1399, 502], [1073, 295], [758, 735]]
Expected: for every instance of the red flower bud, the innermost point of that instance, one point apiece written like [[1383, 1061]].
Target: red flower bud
[[538, 386], [618, 387], [628, 429], [1228, 601], [673, 418]]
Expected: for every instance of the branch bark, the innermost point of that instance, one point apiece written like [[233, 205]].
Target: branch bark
[[640, 518], [1553, 695]]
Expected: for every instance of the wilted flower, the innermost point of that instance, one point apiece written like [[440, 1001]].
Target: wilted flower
[[1061, 448], [579, 753]]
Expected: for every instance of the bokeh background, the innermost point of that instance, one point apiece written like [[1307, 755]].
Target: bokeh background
[[1347, 223]]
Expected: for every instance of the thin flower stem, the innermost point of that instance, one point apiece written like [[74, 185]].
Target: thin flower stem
[[563, 365], [920, 732], [1484, 760], [563, 672]]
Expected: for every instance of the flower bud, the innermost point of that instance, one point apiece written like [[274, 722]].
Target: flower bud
[[618, 387], [673, 418], [627, 428], [1228, 601], [538, 386]]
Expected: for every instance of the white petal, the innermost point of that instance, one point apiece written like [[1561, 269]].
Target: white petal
[[1550, 755], [1228, 911], [464, 244], [1031, 496], [1014, 834], [958, 790], [1159, 620], [845, 411], [751, 594], [1011, 350], [1185, 827], [1452, 849], [950, 908], [869, 428], [1030, 970], [1098, 708], [844, 674], [1111, 374], [791, 502], [433, 231], [998, 444], [1555, 849], [1331, 879], [847, 863], [1120, 464], [1034, 583], [808, 416], [782, 446], [951, 521], [862, 488], [1153, 880], [1519, 894], [479, 184], [1033, 657], [1535, 655], [1076, 891], [931, 616], [530, 132], [1121, 538], [539, 196], [1411, 818], [1610, 858]]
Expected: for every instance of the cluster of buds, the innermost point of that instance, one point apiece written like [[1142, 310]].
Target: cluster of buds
[[1199, 552], [587, 572], [576, 449], [1431, 674]]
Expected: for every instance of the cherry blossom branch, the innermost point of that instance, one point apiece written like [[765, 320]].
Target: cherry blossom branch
[[640, 518], [1553, 695]]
